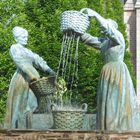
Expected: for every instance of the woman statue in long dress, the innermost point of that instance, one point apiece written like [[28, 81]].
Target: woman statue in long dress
[[116, 99], [21, 99]]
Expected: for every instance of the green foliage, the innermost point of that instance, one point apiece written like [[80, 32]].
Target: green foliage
[[42, 19]]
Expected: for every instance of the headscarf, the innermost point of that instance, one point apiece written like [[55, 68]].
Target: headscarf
[[18, 31]]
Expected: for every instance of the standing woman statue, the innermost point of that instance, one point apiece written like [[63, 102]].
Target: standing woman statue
[[21, 99], [116, 99]]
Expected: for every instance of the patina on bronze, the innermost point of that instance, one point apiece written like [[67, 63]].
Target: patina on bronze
[[21, 100], [117, 108]]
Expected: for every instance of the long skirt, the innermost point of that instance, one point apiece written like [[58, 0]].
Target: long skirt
[[21, 100], [117, 108]]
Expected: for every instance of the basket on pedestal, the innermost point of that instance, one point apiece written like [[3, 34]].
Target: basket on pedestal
[[68, 118]]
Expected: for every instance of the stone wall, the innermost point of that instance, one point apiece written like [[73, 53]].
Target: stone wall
[[66, 135], [132, 21], [137, 6]]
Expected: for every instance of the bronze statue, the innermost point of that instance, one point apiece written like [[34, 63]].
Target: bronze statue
[[116, 106], [21, 99]]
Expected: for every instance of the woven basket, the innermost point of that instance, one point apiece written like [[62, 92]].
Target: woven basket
[[68, 120], [75, 21], [43, 86]]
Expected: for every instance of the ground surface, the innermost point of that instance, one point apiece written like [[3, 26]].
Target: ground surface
[[66, 135]]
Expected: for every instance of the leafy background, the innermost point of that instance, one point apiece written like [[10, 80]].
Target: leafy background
[[42, 20]]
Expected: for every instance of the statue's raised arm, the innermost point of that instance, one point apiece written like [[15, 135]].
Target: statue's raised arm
[[117, 108], [108, 26], [92, 41]]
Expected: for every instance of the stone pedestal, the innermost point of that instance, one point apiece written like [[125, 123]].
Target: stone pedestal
[[66, 135], [45, 121], [42, 121]]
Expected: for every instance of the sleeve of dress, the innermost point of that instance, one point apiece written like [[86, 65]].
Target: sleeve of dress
[[92, 41], [16, 55], [112, 33], [38, 61]]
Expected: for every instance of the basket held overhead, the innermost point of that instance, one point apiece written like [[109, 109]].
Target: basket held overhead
[[75, 21]]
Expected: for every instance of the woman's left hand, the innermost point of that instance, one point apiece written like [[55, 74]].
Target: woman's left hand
[[51, 72], [89, 12]]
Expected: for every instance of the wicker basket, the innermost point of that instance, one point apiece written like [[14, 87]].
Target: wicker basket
[[43, 86], [75, 21], [69, 120]]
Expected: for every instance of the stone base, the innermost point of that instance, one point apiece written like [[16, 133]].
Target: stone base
[[45, 121], [66, 135], [42, 121], [89, 123]]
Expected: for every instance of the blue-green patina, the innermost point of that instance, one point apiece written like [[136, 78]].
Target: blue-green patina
[[117, 107], [21, 99]]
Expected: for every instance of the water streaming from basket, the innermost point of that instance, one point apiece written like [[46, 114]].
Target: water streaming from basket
[[73, 25], [66, 115], [68, 64]]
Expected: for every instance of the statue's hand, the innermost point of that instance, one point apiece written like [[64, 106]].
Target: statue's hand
[[33, 79], [51, 72], [89, 12]]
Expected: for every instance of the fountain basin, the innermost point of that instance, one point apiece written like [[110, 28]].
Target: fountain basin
[[74, 21], [69, 119]]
